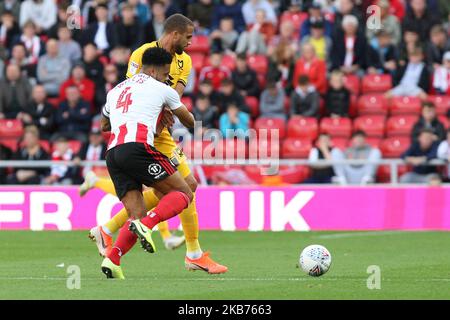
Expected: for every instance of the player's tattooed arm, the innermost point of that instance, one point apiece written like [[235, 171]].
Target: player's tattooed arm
[[105, 124]]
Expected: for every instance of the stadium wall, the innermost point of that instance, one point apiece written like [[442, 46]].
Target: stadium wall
[[297, 208]]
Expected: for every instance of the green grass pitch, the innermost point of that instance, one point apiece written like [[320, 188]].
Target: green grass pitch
[[262, 265]]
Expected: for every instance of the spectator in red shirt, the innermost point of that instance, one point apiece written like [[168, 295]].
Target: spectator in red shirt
[[313, 67], [79, 79], [215, 72]]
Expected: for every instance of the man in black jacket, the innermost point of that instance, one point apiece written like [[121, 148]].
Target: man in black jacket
[[102, 32], [421, 18], [244, 78]]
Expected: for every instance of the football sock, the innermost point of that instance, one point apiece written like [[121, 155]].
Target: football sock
[[151, 201], [116, 222], [163, 228], [169, 206], [189, 221], [125, 241]]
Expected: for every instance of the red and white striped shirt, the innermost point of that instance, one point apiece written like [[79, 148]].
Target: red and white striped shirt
[[134, 106]]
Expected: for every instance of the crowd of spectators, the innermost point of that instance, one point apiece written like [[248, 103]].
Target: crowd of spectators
[[59, 58]]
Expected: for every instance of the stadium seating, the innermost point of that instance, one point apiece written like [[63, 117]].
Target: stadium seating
[[353, 108], [352, 83], [442, 103], [11, 128], [372, 125], [400, 125], [297, 19], [10, 143], [295, 148], [336, 127], [232, 149], [269, 124], [373, 83], [253, 104], [293, 174], [340, 143], [264, 149], [187, 101], [373, 142], [198, 61], [405, 105], [302, 127], [384, 172], [394, 147], [195, 149], [199, 44], [374, 103], [258, 63]]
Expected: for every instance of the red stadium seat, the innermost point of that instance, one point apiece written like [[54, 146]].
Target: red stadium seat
[[253, 104], [372, 83], [198, 61], [199, 44], [394, 147], [302, 127], [336, 127], [372, 104], [352, 83], [442, 104], [295, 148], [297, 19], [45, 144], [340, 143], [264, 149], [400, 125], [405, 105], [373, 142], [229, 61], [258, 63], [11, 143], [384, 172], [75, 145], [232, 149], [293, 174], [11, 128], [54, 102], [187, 101], [444, 120], [353, 109], [269, 124], [372, 125]]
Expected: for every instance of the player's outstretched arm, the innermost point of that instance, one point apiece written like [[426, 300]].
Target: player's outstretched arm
[[186, 118]]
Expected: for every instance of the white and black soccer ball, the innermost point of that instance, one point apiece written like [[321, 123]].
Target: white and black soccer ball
[[315, 260]]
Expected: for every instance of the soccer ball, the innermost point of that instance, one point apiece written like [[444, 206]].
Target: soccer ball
[[315, 260]]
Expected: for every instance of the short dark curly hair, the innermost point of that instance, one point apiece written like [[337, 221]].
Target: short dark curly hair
[[156, 57]]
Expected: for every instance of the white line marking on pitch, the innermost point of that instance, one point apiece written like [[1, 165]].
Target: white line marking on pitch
[[216, 279], [358, 234]]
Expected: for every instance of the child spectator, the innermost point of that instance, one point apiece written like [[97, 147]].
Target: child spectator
[[323, 150], [304, 99], [61, 173], [215, 71], [337, 99], [234, 123], [205, 113], [272, 101]]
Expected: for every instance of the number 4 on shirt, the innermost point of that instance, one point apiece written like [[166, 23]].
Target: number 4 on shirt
[[124, 100]]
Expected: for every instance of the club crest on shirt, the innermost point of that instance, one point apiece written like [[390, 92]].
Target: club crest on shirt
[[180, 64]]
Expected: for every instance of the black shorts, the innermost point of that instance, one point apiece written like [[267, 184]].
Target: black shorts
[[133, 164]]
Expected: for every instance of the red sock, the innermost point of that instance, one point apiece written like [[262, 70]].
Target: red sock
[[125, 241], [169, 206]]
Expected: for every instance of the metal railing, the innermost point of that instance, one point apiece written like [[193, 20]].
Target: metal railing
[[274, 163]]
